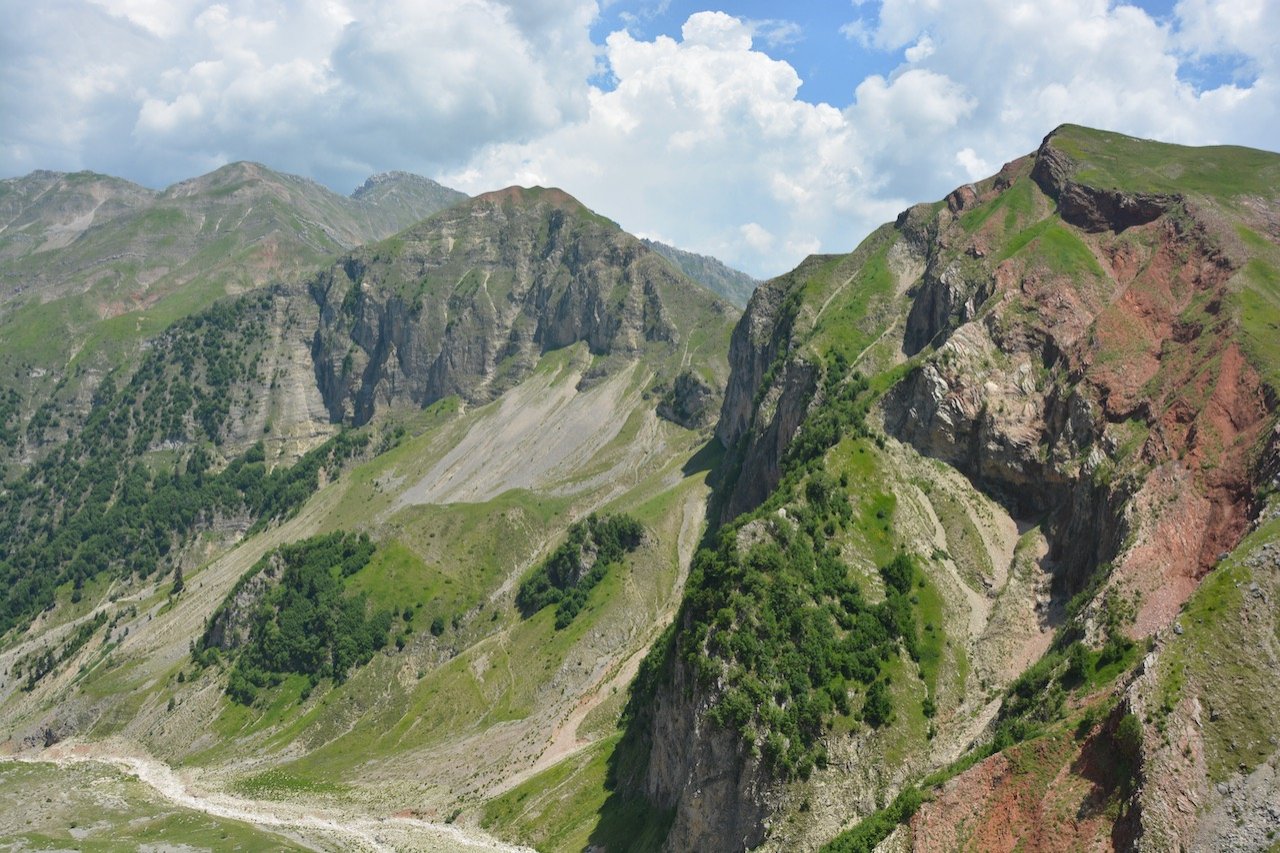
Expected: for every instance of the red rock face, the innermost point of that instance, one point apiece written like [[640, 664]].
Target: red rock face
[[1050, 795], [1148, 341], [1183, 375], [1156, 347]]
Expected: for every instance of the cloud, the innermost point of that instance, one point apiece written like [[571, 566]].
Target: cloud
[[722, 156], [699, 136], [1247, 28], [1020, 69], [777, 33], [703, 140], [332, 89]]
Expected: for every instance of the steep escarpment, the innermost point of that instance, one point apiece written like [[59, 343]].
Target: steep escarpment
[[845, 303], [465, 303], [759, 349], [1088, 338], [1101, 369]]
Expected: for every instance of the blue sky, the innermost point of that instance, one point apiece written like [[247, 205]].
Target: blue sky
[[757, 132], [806, 35], [811, 36]]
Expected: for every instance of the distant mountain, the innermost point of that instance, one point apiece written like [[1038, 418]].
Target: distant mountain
[[395, 192], [91, 265], [240, 225], [424, 506], [733, 285]]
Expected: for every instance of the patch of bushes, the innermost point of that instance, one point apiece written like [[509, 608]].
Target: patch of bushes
[[567, 577], [306, 623], [787, 634], [864, 837]]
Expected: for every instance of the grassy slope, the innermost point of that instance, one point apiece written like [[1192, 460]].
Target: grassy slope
[[433, 703], [1115, 161]]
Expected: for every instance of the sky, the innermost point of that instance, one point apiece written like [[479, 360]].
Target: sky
[[758, 132]]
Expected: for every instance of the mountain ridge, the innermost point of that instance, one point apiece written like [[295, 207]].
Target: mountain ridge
[[979, 551], [999, 311], [731, 284], [515, 273], [462, 492], [124, 262]]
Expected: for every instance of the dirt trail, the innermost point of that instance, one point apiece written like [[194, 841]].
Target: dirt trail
[[315, 825]]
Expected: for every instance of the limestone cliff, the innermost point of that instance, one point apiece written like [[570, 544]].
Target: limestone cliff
[[466, 302], [769, 388]]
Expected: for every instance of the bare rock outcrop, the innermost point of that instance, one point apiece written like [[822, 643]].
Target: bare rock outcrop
[[770, 388], [690, 402], [720, 792], [467, 302]]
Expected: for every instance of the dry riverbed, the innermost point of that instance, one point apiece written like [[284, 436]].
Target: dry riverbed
[[108, 796]]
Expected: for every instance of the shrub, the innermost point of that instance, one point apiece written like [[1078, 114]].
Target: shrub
[[563, 580]]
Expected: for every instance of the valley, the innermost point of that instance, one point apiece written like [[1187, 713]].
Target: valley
[[476, 523]]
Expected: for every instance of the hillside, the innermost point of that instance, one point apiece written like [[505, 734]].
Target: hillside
[[979, 472], [520, 375], [91, 266], [498, 530]]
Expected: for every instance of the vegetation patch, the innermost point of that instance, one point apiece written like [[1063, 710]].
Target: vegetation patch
[[568, 807], [1017, 202], [876, 827], [567, 577], [1259, 311], [43, 663], [1219, 660], [1050, 243], [94, 506], [305, 623], [857, 284], [277, 783], [776, 620]]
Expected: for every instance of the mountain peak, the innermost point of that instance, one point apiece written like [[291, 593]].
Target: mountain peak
[[230, 177], [385, 184], [553, 196], [1113, 161]]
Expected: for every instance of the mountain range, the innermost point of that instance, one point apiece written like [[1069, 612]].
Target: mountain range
[[412, 520]]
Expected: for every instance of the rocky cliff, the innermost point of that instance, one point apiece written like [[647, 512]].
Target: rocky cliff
[[1083, 375], [1087, 337], [767, 393], [465, 303]]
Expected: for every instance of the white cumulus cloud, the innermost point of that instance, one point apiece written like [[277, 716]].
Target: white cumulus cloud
[[700, 136], [328, 88], [703, 140]]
